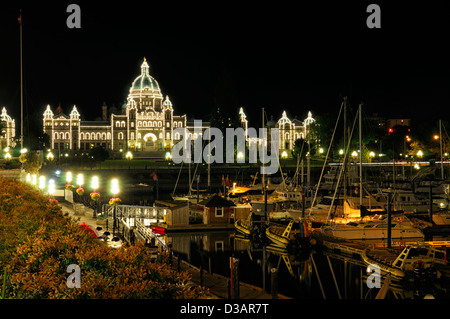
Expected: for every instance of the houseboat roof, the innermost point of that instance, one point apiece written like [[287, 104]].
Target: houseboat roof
[[216, 201]]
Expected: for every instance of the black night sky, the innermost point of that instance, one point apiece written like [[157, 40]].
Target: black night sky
[[277, 55]]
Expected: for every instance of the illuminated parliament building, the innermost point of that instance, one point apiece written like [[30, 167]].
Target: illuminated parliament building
[[144, 123]]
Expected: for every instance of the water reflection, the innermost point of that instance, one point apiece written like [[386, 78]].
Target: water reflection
[[308, 274]]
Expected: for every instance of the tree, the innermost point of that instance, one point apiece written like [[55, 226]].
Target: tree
[[99, 154], [32, 162]]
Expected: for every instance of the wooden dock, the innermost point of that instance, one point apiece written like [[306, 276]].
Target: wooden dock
[[194, 227]]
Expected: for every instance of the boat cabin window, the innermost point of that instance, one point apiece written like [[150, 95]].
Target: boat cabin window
[[384, 225], [328, 200], [414, 252], [352, 224]]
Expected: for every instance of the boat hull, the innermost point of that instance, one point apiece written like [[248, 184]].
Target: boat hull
[[355, 233]]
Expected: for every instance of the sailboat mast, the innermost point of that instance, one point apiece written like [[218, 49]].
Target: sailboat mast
[[440, 146], [345, 149], [360, 158]]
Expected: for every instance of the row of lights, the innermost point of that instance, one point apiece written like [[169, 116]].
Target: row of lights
[[94, 182]]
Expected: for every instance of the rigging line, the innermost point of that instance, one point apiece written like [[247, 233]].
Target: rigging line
[[176, 183], [326, 157], [344, 163], [298, 162]]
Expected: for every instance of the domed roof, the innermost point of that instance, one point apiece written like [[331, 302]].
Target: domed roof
[[4, 116], [167, 103], [145, 80]]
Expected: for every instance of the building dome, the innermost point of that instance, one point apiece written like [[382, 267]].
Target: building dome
[[145, 81], [4, 116]]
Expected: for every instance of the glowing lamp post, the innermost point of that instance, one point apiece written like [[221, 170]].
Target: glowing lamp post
[[94, 195], [34, 179], [50, 156], [115, 200], [80, 182], [51, 188], [129, 156], [41, 182]]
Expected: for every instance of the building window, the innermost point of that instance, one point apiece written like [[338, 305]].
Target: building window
[[92, 136], [219, 246], [67, 136], [144, 123], [120, 136], [132, 136], [219, 211], [177, 136], [122, 124], [108, 136], [167, 136], [167, 124], [117, 124], [132, 124]]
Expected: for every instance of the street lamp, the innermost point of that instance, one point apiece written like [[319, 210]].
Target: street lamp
[[69, 177], [284, 155], [51, 187], [80, 180], [34, 179], [420, 153], [50, 156], [129, 156], [114, 191], [41, 182], [94, 195]]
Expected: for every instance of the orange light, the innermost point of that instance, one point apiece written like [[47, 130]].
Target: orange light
[[436, 137]]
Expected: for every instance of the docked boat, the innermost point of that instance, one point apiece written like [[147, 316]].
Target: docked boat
[[243, 226], [296, 232], [401, 229], [399, 265]]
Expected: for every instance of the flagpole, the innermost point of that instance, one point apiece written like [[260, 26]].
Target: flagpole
[[21, 83]]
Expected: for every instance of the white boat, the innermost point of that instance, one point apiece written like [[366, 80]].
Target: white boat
[[441, 218], [401, 229]]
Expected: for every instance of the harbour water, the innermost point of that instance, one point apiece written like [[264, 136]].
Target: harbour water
[[312, 274]]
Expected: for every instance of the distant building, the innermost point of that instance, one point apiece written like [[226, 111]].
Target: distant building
[[144, 123], [7, 130], [390, 123], [290, 130]]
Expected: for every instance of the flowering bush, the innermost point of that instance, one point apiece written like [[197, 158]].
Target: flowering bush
[[69, 186], [54, 201], [80, 191], [115, 201], [95, 196], [38, 242]]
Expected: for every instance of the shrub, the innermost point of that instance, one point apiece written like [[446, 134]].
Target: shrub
[[37, 243]]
